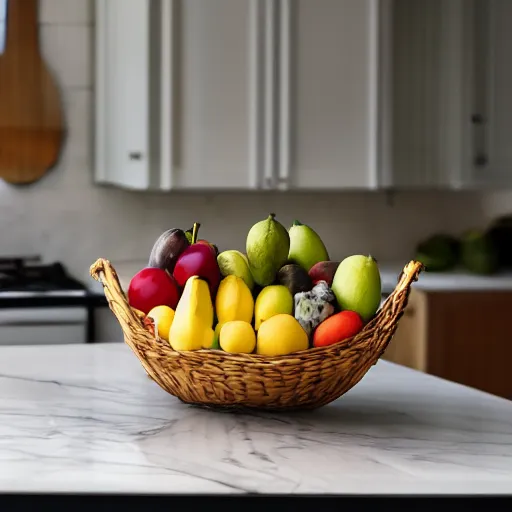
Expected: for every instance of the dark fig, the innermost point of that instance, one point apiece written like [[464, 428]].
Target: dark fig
[[167, 249], [295, 278]]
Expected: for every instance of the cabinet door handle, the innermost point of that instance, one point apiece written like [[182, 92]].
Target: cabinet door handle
[[479, 121], [481, 160]]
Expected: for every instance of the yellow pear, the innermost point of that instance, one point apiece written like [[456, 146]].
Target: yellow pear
[[234, 300], [272, 300], [162, 317], [191, 328], [281, 335], [237, 337]]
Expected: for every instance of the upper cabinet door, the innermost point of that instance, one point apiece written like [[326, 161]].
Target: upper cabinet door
[[329, 93], [491, 155], [216, 124], [179, 95], [122, 96], [428, 122], [239, 94]]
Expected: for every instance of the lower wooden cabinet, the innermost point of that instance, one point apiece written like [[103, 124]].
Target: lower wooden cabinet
[[461, 336]]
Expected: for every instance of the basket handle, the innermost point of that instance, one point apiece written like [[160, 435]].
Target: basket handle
[[395, 303], [103, 271], [409, 275]]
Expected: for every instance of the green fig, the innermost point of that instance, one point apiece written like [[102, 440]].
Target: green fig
[[235, 263], [306, 246], [357, 285], [267, 247]]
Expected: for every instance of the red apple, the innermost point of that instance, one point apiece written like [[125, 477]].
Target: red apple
[[152, 287], [200, 259], [323, 271], [213, 246]]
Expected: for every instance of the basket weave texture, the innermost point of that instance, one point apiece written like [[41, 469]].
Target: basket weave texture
[[213, 378]]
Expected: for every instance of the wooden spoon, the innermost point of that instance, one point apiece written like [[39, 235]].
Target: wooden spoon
[[31, 129]]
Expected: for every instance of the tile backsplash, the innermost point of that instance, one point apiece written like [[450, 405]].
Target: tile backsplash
[[65, 217]]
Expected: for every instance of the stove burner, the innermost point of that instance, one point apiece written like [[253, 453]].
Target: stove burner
[[17, 276]]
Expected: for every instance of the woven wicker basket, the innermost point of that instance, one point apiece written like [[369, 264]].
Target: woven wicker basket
[[213, 378]]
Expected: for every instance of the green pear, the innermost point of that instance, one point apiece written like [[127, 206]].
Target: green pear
[[357, 285], [235, 263], [306, 246], [267, 247]]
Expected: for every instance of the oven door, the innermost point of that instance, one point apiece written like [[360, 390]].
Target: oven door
[[43, 325]]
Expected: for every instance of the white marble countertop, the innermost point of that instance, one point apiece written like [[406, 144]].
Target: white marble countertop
[[85, 418]]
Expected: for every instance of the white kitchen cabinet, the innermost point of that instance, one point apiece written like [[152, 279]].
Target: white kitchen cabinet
[[176, 97], [216, 127], [123, 127], [332, 53], [240, 94], [428, 110], [491, 100], [303, 94], [451, 108]]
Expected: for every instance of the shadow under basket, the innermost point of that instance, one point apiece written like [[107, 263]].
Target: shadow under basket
[[213, 378]]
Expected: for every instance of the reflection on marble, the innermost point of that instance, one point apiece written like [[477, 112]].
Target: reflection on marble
[[86, 418]]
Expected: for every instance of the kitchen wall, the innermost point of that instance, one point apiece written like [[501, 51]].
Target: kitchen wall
[[65, 217]]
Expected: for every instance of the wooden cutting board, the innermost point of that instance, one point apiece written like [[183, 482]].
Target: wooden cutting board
[[31, 125]]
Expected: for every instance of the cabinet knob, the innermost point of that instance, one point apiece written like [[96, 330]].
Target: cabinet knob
[[135, 155], [481, 160], [477, 119]]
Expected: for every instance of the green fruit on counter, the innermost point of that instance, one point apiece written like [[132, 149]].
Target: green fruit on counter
[[357, 285], [500, 235], [306, 246], [235, 263], [478, 254], [267, 247], [272, 300], [438, 252]]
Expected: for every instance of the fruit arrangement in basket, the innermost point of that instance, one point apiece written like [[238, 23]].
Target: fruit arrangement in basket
[[282, 296]]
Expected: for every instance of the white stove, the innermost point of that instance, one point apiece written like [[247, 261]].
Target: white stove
[[41, 304]]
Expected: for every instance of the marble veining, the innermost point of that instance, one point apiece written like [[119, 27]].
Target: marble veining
[[87, 418]]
